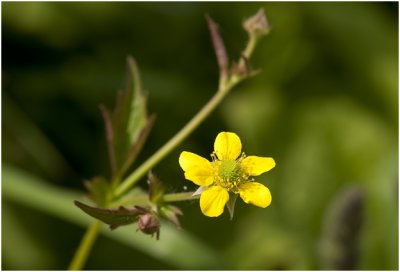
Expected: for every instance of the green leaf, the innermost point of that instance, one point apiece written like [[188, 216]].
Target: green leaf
[[113, 217], [128, 126], [137, 113], [98, 189], [138, 144]]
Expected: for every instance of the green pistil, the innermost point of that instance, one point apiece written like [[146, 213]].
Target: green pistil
[[230, 171]]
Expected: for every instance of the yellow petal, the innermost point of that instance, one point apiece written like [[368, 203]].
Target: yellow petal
[[254, 166], [197, 169], [227, 146], [255, 193], [213, 200]]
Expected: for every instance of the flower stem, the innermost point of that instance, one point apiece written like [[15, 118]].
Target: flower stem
[[180, 197], [176, 140], [85, 246], [251, 45]]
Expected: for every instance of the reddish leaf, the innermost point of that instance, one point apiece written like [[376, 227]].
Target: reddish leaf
[[113, 217]]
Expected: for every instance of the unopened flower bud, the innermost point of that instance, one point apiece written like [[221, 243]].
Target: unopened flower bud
[[257, 24], [149, 224]]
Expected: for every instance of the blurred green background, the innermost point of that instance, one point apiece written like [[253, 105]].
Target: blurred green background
[[325, 107]]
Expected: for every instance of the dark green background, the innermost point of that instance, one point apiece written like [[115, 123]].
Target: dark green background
[[325, 107]]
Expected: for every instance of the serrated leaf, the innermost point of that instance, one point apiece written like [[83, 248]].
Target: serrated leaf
[[109, 137], [113, 217], [98, 189], [231, 204], [136, 147], [128, 126], [138, 113]]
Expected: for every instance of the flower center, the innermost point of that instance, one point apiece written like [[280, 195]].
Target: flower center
[[229, 171]]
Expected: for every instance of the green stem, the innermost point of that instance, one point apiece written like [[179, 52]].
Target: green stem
[[248, 51], [176, 140], [251, 45], [85, 246], [180, 197]]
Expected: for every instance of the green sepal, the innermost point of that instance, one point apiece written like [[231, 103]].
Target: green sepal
[[200, 190], [171, 213], [99, 189], [113, 217], [231, 204]]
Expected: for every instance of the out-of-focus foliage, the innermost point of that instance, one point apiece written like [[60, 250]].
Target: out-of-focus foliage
[[324, 107]]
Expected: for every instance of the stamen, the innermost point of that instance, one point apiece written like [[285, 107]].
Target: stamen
[[213, 156]]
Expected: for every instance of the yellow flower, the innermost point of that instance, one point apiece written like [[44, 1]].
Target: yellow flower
[[230, 171]]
